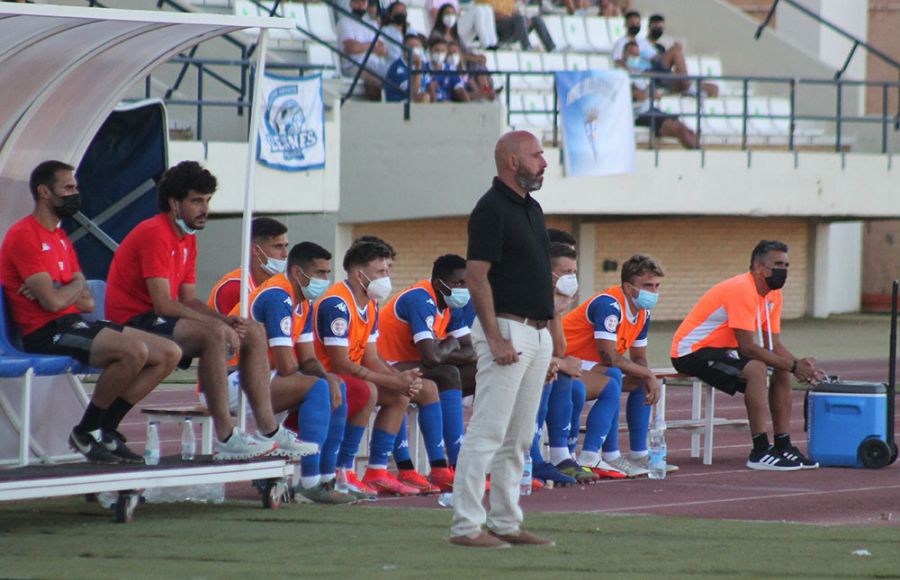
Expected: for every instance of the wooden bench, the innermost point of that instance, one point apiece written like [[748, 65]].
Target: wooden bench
[[703, 421], [198, 414]]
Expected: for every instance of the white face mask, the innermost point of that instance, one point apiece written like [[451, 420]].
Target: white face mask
[[449, 20], [379, 288], [567, 285], [453, 60], [272, 265], [438, 57]]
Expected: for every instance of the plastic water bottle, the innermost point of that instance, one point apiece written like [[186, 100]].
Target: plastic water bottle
[[188, 443], [657, 449], [525, 484], [151, 447], [341, 485]]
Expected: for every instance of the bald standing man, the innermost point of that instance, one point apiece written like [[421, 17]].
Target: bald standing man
[[509, 278]]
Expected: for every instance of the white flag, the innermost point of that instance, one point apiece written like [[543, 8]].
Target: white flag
[[291, 134]]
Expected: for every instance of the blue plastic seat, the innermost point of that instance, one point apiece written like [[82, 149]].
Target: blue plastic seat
[[13, 366], [43, 364]]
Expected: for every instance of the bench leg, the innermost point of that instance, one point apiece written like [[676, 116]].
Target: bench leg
[[708, 427], [25, 417], [696, 407], [206, 438]]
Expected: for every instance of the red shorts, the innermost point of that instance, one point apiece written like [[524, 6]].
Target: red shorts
[[358, 394]]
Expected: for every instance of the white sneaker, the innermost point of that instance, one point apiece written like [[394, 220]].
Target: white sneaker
[[645, 463], [625, 465], [242, 446], [288, 445]]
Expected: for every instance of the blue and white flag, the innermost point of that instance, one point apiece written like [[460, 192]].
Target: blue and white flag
[[597, 123], [291, 133]]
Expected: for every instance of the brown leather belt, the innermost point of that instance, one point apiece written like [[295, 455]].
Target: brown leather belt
[[537, 324]]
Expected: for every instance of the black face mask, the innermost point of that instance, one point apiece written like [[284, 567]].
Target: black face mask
[[654, 33], [633, 30], [400, 19], [359, 12], [777, 279], [68, 205]]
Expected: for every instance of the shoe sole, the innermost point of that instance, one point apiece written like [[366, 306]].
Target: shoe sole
[[385, 490], [241, 456], [766, 467]]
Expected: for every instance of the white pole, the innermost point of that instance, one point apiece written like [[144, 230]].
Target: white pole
[[256, 109]]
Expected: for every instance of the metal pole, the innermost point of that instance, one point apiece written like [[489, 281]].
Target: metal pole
[[793, 114], [746, 87], [766, 21], [884, 118], [840, 107], [200, 102]]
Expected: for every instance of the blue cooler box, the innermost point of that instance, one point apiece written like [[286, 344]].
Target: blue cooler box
[[841, 415]]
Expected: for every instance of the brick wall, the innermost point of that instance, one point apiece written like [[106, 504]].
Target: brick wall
[[695, 252]]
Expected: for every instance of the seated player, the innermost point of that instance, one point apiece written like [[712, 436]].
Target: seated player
[[47, 294], [268, 256], [152, 286], [601, 331], [423, 327], [346, 334], [283, 304], [556, 399]]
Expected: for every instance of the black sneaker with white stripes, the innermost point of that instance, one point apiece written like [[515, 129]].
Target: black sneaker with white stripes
[[772, 460], [794, 454]]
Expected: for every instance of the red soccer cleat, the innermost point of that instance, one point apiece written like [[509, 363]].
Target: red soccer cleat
[[413, 478], [355, 483], [442, 477], [537, 485], [385, 483], [608, 473]]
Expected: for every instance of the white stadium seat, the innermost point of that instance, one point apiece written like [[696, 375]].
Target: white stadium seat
[[576, 61], [418, 20], [598, 62], [321, 22], [555, 28], [554, 61], [598, 33], [576, 35], [531, 62]]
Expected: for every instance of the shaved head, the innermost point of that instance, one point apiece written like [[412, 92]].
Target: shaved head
[[520, 161], [511, 144]]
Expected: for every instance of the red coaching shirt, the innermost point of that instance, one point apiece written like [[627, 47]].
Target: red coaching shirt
[[28, 249], [152, 250]]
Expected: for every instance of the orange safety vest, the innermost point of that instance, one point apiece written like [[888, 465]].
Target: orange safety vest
[[579, 329], [233, 277], [358, 331], [395, 339]]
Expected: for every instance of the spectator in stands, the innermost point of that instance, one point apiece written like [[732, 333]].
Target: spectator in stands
[[442, 87], [398, 75], [514, 27], [346, 343], [601, 331], [152, 286], [316, 400], [478, 84], [394, 26], [423, 327], [474, 20], [356, 35], [671, 60], [646, 50], [269, 251], [47, 294], [662, 124], [732, 338]]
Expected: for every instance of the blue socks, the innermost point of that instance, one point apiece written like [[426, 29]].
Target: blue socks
[[401, 444], [350, 445], [603, 419], [559, 411], [380, 447], [336, 426], [452, 410], [578, 397], [431, 423], [638, 416], [314, 414], [536, 457]]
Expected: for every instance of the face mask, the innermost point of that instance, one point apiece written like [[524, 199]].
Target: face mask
[[315, 288], [567, 285], [438, 57], [646, 300], [633, 30], [449, 20], [359, 12], [400, 19], [272, 265], [183, 225], [633, 62], [453, 60], [654, 33], [379, 288], [68, 205], [458, 297], [418, 52], [777, 279]]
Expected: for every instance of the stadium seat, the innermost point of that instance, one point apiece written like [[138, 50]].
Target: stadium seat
[[598, 33], [689, 112], [734, 107], [576, 35], [692, 63], [247, 9], [296, 11], [599, 62], [711, 66], [318, 55], [555, 28], [670, 104], [576, 61], [531, 62], [497, 80], [539, 115], [553, 62], [508, 61], [758, 121], [320, 21], [615, 25], [418, 20]]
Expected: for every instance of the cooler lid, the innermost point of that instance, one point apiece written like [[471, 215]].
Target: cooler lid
[[850, 387]]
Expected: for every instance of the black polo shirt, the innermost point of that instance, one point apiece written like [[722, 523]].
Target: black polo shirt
[[509, 231]]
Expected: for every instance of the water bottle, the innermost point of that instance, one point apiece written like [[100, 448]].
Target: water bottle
[[151, 447], [188, 443], [525, 484], [657, 448], [341, 485]]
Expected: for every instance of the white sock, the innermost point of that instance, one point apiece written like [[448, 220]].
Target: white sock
[[589, 458], [328, 477], [611, 455], [370, 466], [309, 482], [639, 454], [559, 454]]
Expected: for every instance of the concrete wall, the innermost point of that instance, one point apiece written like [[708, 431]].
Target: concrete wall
[[837, 284]]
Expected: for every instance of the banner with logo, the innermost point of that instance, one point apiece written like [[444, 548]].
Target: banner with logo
[[292, 131], [596, 119]]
